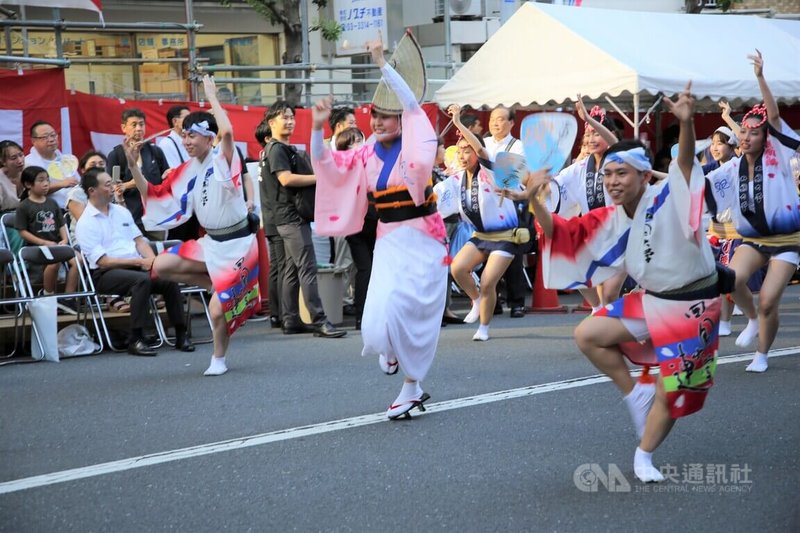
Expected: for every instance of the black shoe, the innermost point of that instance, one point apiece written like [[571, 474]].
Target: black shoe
[[295, 330], [275, 322], [498, 310], [329, 331], [140, 348], [358, 324], [349, 310], [517, 312], [184, 345], [452, 320]]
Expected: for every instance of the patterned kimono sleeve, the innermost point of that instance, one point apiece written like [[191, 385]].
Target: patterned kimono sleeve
[[169, 204], [447, 196], [687, 198], [341, 196], [583, 251], [724, 184], [418, 150], [564, 192], [230, 175]]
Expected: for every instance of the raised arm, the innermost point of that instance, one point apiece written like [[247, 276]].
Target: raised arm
[[132, 149], [773, 115], [454, 111], [223, 122], [683, 109], [604, 132], [538, 186], [726, 117], [393, 80]]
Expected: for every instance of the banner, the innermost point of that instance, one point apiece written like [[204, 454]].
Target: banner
[[30, 96]]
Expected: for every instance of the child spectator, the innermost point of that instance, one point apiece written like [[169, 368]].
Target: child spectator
[[40, 223]]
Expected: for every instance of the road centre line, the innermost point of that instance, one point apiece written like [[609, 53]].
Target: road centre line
[[169, 456]]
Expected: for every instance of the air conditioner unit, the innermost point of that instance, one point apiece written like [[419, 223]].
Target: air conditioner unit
[[460, 8]]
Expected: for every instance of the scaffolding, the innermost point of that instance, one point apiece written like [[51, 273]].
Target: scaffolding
[[302, 73]]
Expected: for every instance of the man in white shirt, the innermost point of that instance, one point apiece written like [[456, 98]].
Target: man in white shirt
[[62, 168], [172, 144], [501, 120], [120, 260]]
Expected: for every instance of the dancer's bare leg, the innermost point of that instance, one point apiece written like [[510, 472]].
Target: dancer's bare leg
[[598, 337]]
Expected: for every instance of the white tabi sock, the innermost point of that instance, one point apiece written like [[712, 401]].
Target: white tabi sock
[[482, 334], [748, 334], [639, 402], [643, 467], [474, 313], [759, 363], [410, 391], [724, 328], [217, 367]]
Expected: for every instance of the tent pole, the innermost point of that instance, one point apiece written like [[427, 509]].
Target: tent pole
[[621, 112], [636, 115]]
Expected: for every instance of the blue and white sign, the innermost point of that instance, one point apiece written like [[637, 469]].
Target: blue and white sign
[[361, 20]]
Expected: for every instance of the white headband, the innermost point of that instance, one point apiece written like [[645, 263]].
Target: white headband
[[635, 157], [202, 129], [732, 139]]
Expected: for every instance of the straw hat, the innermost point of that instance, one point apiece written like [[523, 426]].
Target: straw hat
[[408, 62]]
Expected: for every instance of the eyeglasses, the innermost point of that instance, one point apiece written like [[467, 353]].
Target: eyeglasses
[[49, 136]]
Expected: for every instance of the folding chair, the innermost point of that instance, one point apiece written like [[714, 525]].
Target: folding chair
[[49, 255], [188, 291], [12, 296]]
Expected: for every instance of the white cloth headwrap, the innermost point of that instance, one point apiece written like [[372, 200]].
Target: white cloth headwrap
[[202, 129], [732, 139], [635, 157]]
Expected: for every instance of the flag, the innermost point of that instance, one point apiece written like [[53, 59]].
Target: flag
[[92, 5]]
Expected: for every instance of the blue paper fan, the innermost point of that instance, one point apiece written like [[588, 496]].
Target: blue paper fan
[[547, 139]]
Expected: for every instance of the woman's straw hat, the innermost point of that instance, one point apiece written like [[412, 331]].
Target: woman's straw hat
[[408, 62]]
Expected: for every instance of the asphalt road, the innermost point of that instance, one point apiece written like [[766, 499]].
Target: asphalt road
[[519, 436]]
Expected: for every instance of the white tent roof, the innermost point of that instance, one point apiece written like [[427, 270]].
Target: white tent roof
[[546, 54]]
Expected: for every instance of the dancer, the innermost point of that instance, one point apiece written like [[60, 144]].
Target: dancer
[[578, 189], [209, 185], [761, 193], [721, 232], [472, 194], [654, 233], [406, 294]]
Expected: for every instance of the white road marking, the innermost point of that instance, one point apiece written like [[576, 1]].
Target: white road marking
[[130, 463]]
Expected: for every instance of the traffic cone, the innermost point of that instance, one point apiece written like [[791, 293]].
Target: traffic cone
[[545, 300], [584, 307], [646, 378]]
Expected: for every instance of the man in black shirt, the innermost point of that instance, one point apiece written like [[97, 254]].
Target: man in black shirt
[[151, 161], [288, 171]]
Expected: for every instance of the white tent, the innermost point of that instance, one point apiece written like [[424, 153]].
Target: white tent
[[545, 55]]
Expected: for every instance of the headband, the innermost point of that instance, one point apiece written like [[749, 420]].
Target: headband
[[635, 157], [758, 110], [201, 128], [732, 139]]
